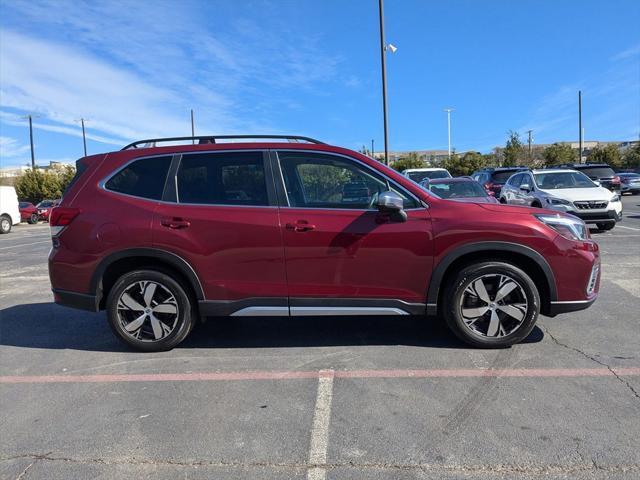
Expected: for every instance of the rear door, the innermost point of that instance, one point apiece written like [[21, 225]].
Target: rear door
[[342, 255], [222, 218]]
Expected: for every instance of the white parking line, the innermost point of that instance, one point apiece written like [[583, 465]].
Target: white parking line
[[629, 228], [25, 244], [320, 429]]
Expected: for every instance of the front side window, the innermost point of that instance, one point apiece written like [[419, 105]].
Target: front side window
[[142, 178], [515, 181], [226, 178], [326, 181]]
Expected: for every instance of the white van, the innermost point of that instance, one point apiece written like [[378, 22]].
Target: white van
[[9, 211]]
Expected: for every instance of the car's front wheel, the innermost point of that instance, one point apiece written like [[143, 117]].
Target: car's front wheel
[[150, 311], [491, 304], [605, 226], [33, 219], [5, 224]]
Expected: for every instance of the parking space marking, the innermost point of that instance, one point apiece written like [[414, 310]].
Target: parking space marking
[[320, 430], [629, 228], [292, 375], [25, 244]]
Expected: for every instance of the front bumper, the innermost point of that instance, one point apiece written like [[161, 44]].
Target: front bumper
[[597, 217], [556, 308]]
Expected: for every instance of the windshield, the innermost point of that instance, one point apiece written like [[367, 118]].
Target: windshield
[[553, 181], [45, 204], [598, 172], [23, 204], [419, 176], [458, 190], [502, 176]]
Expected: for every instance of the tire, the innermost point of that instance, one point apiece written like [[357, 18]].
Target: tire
[[157, 310], [503, 200], [33, 219], [605, 226], [5, 224], [493, 327]]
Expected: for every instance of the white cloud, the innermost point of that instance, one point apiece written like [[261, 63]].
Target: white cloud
[[11, 148]]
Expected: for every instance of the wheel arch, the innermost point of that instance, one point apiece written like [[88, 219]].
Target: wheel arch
[[119, 263], [529, 260]]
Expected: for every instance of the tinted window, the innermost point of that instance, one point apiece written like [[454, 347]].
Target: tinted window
[[458, 189], [142, 178], [24, 204], [516, 180], [598, 172], [229, 178], [326, 181], [502, 176]]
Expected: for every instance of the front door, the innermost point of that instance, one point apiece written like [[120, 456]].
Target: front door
[[342, 255]]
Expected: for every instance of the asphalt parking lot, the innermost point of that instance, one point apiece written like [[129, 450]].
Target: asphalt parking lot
[[341, 398]]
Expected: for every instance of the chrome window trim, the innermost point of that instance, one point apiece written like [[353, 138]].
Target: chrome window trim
[[399, 187]]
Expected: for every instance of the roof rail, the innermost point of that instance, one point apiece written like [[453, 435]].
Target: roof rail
[[151, 142]]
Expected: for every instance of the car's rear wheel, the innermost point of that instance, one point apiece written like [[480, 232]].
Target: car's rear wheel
[[150, 311], [605, 226], [491, 304], [5, 224], [33, 218]]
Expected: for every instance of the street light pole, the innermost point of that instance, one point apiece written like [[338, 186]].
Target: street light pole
[[449, 110], [33, 156], [372, 150], [383, 48], [84, 137], [580, 124], [529, 142]]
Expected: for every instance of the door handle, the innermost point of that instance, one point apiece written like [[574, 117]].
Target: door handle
[[174, 223], [300, 226]]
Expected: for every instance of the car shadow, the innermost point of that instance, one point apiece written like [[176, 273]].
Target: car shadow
[[49, 326]]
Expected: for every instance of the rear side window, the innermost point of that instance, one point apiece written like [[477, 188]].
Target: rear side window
[[229, 178], [143, 178]]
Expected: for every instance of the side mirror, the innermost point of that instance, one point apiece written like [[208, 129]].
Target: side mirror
[[597, 182], [525, 187], [391, 203]]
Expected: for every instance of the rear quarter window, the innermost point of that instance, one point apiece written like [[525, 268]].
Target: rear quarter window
[[143, 178]]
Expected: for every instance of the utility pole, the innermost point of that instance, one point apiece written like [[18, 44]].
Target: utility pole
[[580, 124], [449, 110], [529, 142], [84, 137], [33, 157], [193, 129], [383, 48], [372, 150]]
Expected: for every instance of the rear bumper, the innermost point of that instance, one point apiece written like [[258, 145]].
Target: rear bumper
[[81, 301], [556, 308]]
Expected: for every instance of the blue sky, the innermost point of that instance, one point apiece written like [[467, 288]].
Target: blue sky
[[134, 69]]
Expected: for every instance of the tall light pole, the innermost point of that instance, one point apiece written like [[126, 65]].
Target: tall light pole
[[580, 125], [449, 110], [529, 142], [383, 50], [84, 136], [372, 150]]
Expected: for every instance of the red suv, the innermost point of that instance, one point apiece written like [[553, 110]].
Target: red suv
[[162, 235]]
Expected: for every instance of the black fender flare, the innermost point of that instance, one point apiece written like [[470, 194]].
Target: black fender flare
[[439, 271], [172, 259]]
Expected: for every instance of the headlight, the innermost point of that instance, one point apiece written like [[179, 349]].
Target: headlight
[[568, 227], [557, 201], [615, 198]]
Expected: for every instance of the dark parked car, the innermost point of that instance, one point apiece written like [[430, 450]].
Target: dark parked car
[[598, 172], [492, 179], [28, 212], [629, 183], [160, 236], [460, 189]]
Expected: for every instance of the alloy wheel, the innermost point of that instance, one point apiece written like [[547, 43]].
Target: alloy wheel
[[493, 305], [147, 311]]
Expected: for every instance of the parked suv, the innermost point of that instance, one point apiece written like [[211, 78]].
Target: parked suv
[[567, 191], [159, 236], [598, 172], [492, 179]]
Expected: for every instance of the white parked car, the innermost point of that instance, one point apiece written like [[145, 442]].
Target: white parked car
[[419, 174], [9, 210], [564, 190]]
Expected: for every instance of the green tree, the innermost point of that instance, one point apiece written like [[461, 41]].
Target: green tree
[[559, 153], [37, 185], [465, 164], [631, 157], [608, 154], [513, 150], [410, 161]]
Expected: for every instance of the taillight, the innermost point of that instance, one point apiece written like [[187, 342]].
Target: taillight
[[60, 217], [616, 179], [488, 186]]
